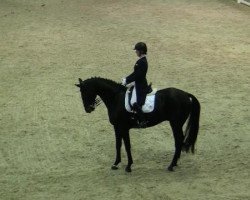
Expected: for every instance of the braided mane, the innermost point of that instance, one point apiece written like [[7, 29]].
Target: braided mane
[[116, 86]]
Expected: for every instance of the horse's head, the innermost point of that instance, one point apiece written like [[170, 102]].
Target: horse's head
[[88, 95]]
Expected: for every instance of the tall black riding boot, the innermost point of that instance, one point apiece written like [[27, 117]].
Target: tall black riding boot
[[141, 118]]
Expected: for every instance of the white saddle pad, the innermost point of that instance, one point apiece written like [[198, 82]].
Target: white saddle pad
[[149, 102]]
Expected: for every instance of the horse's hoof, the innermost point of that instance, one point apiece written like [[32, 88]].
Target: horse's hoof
[[128, 169], [170, 168], [114, 167]]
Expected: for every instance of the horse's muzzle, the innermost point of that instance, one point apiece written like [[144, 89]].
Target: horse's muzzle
[[89, 109]]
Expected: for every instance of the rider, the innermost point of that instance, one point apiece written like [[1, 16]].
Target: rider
[[139, 78]]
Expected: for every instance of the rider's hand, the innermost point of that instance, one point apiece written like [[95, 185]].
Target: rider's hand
[[124, 81]]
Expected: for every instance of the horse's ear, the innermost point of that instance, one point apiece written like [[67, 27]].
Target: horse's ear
[[80, 80], [77, 85]]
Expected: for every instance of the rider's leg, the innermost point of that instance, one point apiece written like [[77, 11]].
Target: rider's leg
[[141, 117]]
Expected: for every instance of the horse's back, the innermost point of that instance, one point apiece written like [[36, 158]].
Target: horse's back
[[172, 92], [173, 97]]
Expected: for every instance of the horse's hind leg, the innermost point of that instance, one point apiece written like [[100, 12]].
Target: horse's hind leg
[[178, 137]]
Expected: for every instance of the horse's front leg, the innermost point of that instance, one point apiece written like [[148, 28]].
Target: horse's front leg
[[118, 139], [126, 140]]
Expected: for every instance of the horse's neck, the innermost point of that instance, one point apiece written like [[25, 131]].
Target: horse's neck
[[107, 93]]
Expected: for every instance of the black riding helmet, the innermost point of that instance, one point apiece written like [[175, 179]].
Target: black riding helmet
[[142, 47]]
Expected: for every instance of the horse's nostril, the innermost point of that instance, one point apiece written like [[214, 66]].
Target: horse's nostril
[[88, 110]]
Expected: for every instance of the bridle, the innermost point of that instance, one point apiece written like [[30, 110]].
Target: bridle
[[96, 103]]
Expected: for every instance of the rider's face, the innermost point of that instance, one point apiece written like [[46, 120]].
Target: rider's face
[[138, 53]]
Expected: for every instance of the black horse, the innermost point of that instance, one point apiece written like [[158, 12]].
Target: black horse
[[171, 104]]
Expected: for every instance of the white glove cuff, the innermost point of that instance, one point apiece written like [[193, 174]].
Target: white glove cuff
[[124, 81]]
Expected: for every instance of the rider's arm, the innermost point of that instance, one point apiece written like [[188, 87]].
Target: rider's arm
[[130, 78], [140, 71]]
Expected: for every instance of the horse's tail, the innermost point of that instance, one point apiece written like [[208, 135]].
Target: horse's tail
[[192, 128]]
